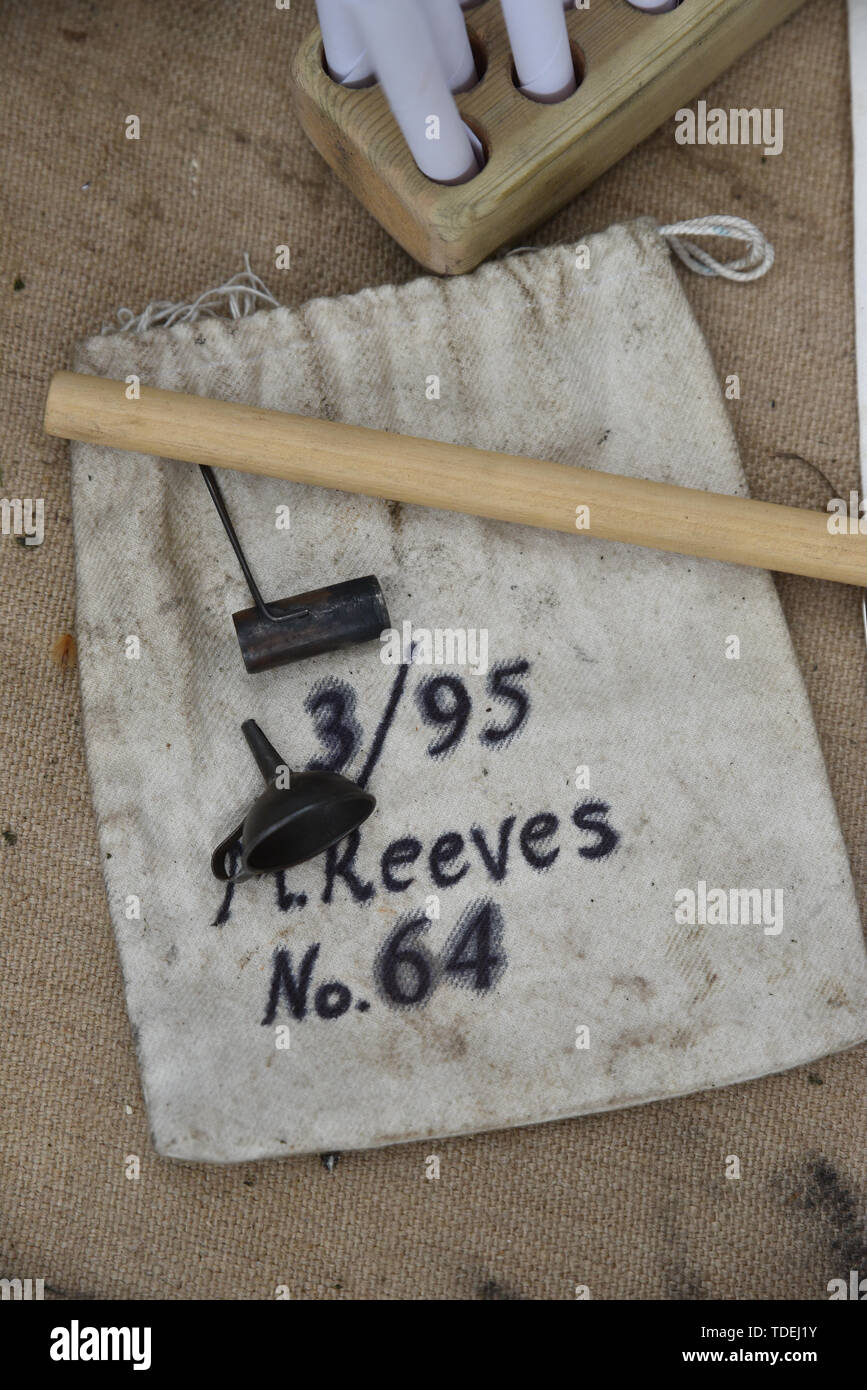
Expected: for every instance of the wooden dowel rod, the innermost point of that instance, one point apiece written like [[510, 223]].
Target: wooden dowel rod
[[453, 477]]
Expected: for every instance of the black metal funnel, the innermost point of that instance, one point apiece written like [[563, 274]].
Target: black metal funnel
[[297, 816], [290, 629]]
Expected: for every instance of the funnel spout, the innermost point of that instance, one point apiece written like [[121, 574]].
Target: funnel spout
[[267, 758]]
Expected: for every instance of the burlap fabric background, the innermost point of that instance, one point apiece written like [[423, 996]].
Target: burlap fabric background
[[634, 1204]]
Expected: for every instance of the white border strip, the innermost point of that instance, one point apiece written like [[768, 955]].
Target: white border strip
[[858, 66]]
